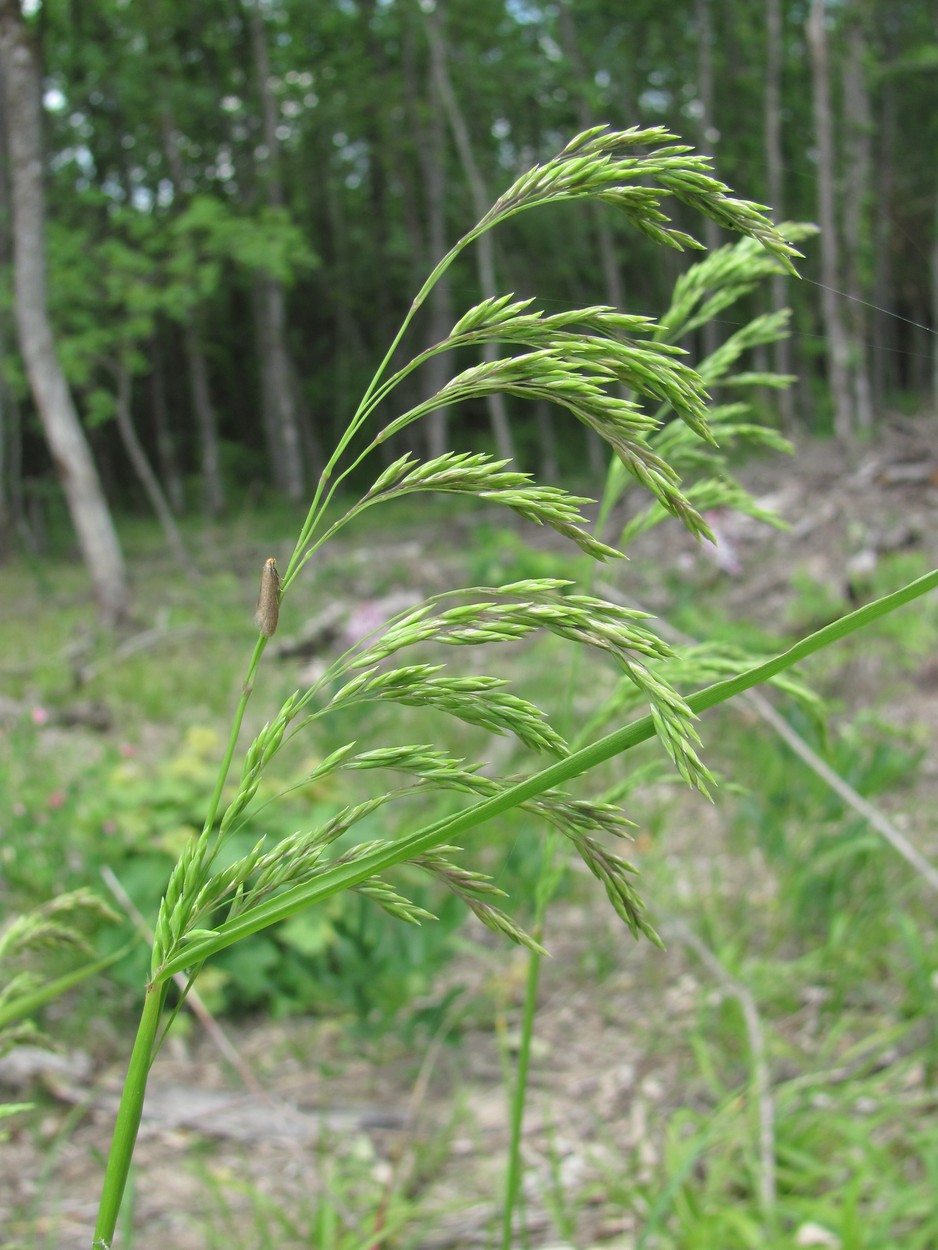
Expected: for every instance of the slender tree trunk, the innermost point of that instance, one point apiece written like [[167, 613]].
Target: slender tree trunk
[[934, 310], [347, 341], [312, 448], [165, 447], [858, 167], [709, 333], [781, 348], [271, 307], [13, 467], [429, 128], [440, 302], [144, 470], [279, 413], [6, 442], [838, 349], [609, 263], [206, 420], [605, 240], [383, 166], [485, 250], [885, 342], [9, 418], [61, 426]]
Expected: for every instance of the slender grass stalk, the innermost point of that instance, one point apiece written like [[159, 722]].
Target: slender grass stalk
[[523, 1065], [128, 1119], [224, 768]]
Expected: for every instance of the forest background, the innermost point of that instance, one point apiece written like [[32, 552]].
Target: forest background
[[241, 201]]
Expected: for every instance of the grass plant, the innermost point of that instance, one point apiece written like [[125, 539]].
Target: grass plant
[[623, 378]]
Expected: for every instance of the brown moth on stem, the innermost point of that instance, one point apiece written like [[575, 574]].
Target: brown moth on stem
[[268, 601]]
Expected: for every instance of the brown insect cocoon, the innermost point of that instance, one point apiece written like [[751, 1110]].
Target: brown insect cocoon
[[268, 601]]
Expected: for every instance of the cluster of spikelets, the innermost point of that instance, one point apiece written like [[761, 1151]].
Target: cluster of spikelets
[[625, 379]]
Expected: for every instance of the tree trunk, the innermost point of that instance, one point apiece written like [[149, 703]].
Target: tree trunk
[[605, 240], [609, 263], [346, 339], [144, 471], [707, 133], [934, 310], [67, 443], [858, 166], [885, 341], [165, 447], [284, 444], [838, 350], [6, 443], [279, 412], [485, 251], [440, 302], [429, 129], [778, 290], [206, 421], [9, 417]]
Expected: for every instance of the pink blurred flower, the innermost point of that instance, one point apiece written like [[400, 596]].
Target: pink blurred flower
[[40, 716], [56, 799]]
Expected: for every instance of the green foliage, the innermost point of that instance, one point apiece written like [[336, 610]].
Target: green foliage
[[847, 1167], [210, 234], [499, 555], [112, 281], [240, 1215], [831, 866], [31, 949], [134, 816]]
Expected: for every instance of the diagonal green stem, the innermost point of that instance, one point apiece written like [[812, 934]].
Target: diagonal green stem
[[344, 876]]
